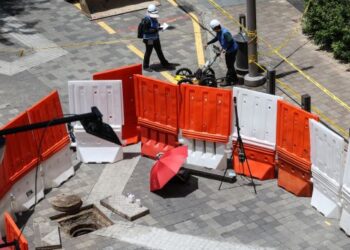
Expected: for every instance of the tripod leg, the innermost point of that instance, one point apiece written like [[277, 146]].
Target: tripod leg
[[246, 160]]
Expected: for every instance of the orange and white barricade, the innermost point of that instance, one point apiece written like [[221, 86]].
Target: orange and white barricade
[[157, 114], [206, 125], [257, 115]]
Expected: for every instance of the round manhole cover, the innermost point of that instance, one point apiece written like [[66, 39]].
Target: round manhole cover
[[66, 203]]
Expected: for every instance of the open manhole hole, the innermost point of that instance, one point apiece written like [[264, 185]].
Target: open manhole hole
[[87, 220]]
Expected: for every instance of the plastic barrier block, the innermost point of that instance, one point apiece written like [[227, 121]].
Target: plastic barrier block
[[206, 154], [294, 160], [51, 139], [294, 179], [257, 113], [344, 222], [130, 129], [156, 104], [21, 154], [13, 232], [261, 162], [58, 168], [293, 135], [206, 113], [154, 141], [327, 152], [325, 195], [91, 149], [346, 175]]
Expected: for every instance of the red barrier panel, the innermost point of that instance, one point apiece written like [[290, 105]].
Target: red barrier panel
[[21, 154], [130, 132], [293, 176], [13, 232], [156, 103], [261, 162], [293, 136], [205, 113], [293, 149], [155, 141], [157, 113], [56, 137]]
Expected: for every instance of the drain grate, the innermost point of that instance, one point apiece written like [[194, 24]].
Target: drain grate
[[87, 220]]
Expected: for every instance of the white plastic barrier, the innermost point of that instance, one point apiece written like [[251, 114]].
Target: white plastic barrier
[[206, 154], [327, 158], [58, 168], [21, 196], [107, 96], [257, 115], [344, 222]]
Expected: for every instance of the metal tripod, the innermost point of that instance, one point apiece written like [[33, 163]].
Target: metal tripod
[[241, 151]]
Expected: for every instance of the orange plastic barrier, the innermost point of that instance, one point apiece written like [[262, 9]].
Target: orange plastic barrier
[[157, 113], [13, 232], [261, 162], [56, 137], [155, 141], [130, 131], [293, 176], [206, 113], [293, 149], [21, 154]]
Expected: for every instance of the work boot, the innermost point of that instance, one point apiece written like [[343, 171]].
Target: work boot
[[148, 69]]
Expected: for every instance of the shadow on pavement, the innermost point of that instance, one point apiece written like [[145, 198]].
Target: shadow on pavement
[[177, 188]]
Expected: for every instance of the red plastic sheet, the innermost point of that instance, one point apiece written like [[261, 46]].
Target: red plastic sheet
[[130, 130], [21, 154], [206, 113], [51, 139], [13, 232]]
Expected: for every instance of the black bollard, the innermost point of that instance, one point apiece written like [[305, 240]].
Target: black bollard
[[306, 102], [271, 83]]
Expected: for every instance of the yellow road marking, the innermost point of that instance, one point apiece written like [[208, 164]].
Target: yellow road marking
[[197, 35], [327, 223], [106, 27], [78, 6], [139, 53]]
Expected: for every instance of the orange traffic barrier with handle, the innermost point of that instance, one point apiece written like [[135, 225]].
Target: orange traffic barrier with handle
[[157, 108], [130, 132], [21, 154], [13, 232], [261, 162], [51, 139], [205, 113], [293, 149]]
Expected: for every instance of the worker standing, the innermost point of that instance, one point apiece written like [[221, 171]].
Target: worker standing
[[229, 47], [151, 38]]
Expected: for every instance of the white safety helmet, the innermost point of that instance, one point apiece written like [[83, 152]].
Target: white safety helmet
[[152, 11], [214, 23]]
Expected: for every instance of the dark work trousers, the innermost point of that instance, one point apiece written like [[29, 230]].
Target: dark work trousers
[[231, 75], [149, 47]]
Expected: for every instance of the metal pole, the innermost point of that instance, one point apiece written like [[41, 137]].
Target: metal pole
[[253, 78], [271, 83], [252, 48], [306, 102]]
